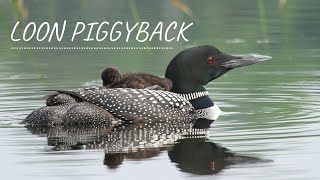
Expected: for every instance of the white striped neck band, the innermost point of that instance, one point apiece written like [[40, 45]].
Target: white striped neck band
[[196, 95]]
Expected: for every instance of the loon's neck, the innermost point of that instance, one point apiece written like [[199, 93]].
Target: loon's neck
[[207, 111], [199, 100], [186, 86], [202, 102]]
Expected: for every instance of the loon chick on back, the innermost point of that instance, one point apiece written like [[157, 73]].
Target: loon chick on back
[[189, 72], [112, 78]]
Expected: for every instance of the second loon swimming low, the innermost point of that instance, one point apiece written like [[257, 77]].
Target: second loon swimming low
[[189, 71]]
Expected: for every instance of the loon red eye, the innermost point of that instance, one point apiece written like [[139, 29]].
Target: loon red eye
[[210, 60]]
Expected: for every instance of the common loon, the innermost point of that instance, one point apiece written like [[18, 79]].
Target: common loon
[[112, 78], [189, 71]]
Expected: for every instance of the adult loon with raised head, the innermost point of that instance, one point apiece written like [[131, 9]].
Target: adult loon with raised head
[[189, 72]]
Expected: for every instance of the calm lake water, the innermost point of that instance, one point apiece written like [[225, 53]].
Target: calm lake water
[[270, 126]]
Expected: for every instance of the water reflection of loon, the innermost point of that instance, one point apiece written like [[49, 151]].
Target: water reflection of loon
[[200, 156], [187, 147]]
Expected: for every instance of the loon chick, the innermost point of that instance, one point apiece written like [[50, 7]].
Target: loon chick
[[189, 72], [112, 78]]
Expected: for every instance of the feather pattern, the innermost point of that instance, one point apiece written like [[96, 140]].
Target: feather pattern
[[137, 104]]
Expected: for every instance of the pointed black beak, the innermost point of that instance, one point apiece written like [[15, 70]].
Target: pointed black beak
[[240, 60]]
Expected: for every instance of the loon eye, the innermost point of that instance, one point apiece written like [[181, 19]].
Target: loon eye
[[210, 60]]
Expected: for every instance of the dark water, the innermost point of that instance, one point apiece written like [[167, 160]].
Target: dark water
[[269, 128]]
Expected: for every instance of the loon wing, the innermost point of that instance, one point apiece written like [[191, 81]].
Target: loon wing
[[81, 113], [56, 98], [128, 104]]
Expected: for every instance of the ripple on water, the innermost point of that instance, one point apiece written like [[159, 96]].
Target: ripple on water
[[286, 113]]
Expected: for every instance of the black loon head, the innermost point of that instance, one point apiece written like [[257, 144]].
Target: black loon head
[[193, 68]]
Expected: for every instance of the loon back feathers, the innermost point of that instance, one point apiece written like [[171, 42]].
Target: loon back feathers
[[80, 113], [61, 97], [56, 98], [133, 104]]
